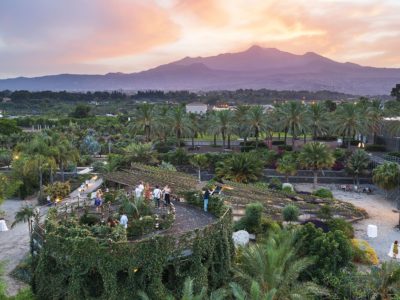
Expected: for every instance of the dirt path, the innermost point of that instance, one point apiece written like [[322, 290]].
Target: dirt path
[[14, 243], [380, 214]]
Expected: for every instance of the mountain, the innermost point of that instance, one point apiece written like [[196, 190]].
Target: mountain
[[254, 68]]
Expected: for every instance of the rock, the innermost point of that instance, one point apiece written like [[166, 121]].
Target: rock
[[241, 238], [288, 186]]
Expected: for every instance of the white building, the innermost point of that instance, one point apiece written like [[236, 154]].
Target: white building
[[196, 108]]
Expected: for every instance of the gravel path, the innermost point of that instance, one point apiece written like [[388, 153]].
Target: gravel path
[[14, 243], [380, 214]]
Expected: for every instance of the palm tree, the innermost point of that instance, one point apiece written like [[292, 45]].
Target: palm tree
[[386, 176], [293, 118], [374, 119], [240, 167], [357, 164], [275, 267], [142, 153], [385, 281], [223, 123], [199, 161], [194, 126], [178, 122], [25, 214], [161, 126], [255, 292], [188, 293], [318, 118], [287, 166], [316, 156], [257, 120], [348, 121], [144, 119], [242, 121], [65, 153]]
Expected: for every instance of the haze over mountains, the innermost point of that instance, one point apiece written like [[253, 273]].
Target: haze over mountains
[[254, 68]]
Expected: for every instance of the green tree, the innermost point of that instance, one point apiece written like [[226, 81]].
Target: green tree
[[5, 157], [8, 127], [24, 215], [179, 122], [374, 118], [223, 123], [242, 121], [287, 166], [194, 126], [385, 281], [143, 119], [257, 120], [199, 161], [240, 167], [349, 121], [396, 92], [318, 118], [357, 164], [81, 111], [141, 153], [293, 118], [316, 156], [386, 176], [275, 267]]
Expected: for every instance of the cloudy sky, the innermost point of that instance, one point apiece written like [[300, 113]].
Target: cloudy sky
[[40, 37]]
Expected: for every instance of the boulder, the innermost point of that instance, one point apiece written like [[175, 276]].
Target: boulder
[[241, 238]]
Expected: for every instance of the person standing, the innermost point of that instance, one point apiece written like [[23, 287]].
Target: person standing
[[138, 192], [167, 194], [141, 186], [157, 195], [124, 221], [147, 192], [206, 197]]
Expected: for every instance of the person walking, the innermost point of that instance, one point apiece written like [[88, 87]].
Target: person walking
[[167, 194], [157, 195]]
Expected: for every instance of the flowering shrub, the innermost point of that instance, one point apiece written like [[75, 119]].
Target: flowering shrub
[[364, 253]]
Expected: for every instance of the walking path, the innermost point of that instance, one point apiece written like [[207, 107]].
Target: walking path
[[14, 244], [380, 214]]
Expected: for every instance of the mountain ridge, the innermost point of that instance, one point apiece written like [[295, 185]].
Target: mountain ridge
[[256, 67]]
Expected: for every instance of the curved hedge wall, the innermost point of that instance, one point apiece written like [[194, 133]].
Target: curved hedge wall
[[74, 266]]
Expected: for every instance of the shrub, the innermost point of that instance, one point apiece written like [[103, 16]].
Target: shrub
[[342, 225], [323, 193], [58, 190], [396, 154], [252, 219], [275, 183], [364, 253], [287, 189], [375, 148], [337, 166], [278, 142], [89, 220], [339, 154], [285, 147], [325, 212], [290, 213]]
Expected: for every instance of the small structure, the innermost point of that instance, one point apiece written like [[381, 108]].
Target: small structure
[[241, 238], [6, 99], [372, 231], [196, 108]]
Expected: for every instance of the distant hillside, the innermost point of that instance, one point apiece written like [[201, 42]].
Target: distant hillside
[[254, 68]]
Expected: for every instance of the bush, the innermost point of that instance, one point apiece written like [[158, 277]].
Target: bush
[[325, 212], [58, 190], [89, 220], [323, 193], [277, 143], [139, 227], [375, 148], [290, 213], [364, 253], [337, 166], [342, 225], [285, 148], [275, 183], [252, 219], [339, 154], [395, 154]]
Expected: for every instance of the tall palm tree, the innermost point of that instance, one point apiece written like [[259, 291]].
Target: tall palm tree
[[144, 118], [242, 121], [316, 156], [357, 164], [223, 123], [374, 119], [24, 215], [240, 167], [179, 122], [257, 120], [349, 121], [161, 126], [199, 161], [293, 118], [385, 281], [318, 118], [276, 268], [194, 126], [142, 153]]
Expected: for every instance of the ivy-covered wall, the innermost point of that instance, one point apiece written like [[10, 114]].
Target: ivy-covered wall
[[74, 266]]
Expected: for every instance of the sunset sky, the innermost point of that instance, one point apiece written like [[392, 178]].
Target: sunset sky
[[40, 37]]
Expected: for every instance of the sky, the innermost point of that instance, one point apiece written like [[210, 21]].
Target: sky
[[40, 37]]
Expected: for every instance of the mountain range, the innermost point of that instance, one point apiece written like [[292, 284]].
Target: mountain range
[[254, 68]]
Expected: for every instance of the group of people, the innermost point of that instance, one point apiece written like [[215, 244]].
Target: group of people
[[158, 194]]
